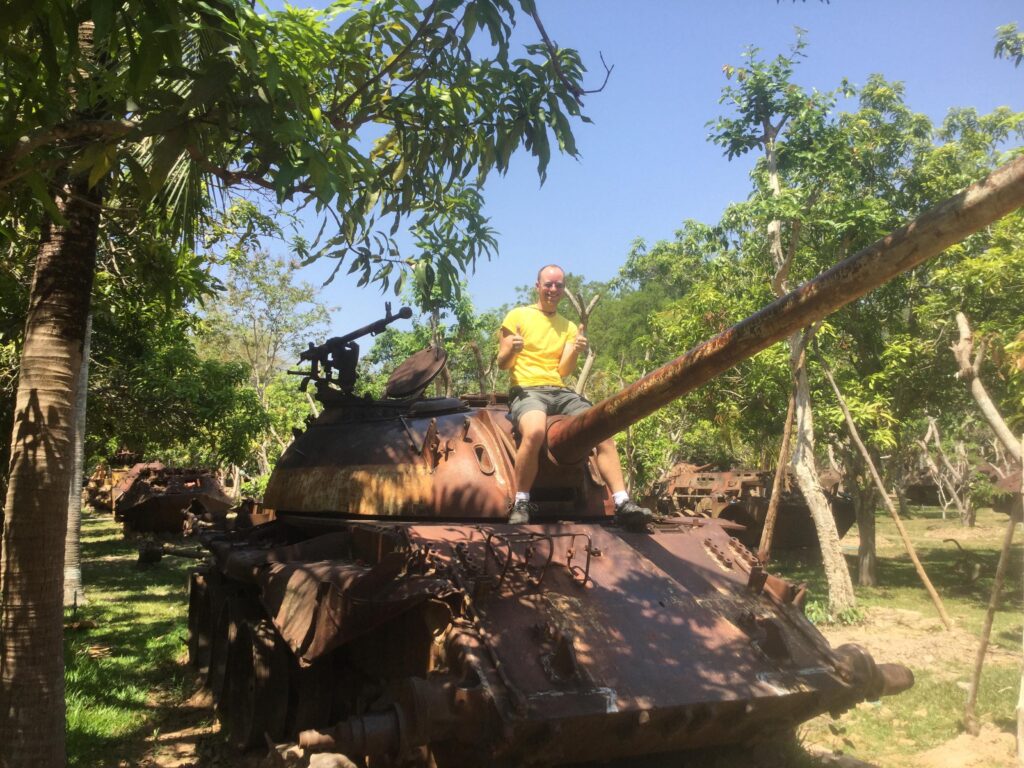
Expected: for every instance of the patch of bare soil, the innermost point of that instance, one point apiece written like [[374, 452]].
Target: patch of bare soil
[[189, 737], [991, 747], [918, 641]]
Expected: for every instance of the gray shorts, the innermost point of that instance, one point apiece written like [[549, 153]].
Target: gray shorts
[[554, 401]]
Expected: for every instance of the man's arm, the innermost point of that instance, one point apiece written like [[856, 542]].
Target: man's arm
[[509, 346], [571, 353]]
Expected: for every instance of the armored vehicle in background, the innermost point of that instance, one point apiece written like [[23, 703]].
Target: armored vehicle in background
[[152, 498], [742, 496]]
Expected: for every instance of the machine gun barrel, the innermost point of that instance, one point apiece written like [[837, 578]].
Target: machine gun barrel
[[570, 439], [377, 326]]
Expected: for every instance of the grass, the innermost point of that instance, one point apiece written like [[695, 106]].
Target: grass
[[892, 731], [948, 568], [122, 649], [930, 714]]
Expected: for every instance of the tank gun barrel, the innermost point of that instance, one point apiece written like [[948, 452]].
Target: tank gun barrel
[[569, 439]]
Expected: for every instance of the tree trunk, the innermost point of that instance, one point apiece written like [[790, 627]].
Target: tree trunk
[[903, 504], [840, 587], [481, 371], [74, 593], [32, 561], [584, 309], [970, 714], [1020, 694], [864, 506], [764, 550], [970, 371], [263, 458], [877, 478], [966, 516]]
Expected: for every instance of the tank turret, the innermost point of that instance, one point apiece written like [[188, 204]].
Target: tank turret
[[391, 613]]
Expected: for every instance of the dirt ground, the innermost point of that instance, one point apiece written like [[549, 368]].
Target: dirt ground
[[920, 642]]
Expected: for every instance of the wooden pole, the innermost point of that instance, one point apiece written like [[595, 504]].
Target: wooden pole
[[765, 549], [855, 436], [970, 716], [1020, 695]]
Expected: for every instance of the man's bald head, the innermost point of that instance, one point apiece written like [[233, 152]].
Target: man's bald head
[[561, 272]]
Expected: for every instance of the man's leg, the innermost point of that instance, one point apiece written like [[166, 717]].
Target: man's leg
[[610, 466], [532, 425], [628, 514]]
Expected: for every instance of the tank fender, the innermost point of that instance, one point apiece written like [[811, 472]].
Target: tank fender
[[319, 606], [245, 564]]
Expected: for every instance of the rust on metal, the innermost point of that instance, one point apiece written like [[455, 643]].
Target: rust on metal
[[153, 498], [389, 613]]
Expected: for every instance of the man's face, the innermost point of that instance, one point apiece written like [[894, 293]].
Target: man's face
[[550, 288]]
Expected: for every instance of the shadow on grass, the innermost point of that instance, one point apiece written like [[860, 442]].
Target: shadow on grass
[[124, 659], [966, 574]]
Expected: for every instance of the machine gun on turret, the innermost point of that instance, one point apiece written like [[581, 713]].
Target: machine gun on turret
[[334, 361]]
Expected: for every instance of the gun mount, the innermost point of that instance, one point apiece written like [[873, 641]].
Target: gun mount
[[334, 361]]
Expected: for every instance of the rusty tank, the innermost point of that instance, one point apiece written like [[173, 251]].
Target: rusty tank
[[742, 496], [99, 487], [392, 615], [152, 498], [390, 610]]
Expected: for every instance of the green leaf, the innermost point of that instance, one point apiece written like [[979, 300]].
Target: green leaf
[[45, 198]]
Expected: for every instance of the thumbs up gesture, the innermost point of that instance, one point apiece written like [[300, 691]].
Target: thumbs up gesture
[[516, 340], [580, 344]]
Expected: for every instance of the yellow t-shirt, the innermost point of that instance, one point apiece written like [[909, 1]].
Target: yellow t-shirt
[[544, 338]]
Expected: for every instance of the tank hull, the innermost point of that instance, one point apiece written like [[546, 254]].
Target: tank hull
[[524, 645]]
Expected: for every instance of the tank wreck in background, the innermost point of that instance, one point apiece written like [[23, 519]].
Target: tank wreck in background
[[152, 498], [742, 496]]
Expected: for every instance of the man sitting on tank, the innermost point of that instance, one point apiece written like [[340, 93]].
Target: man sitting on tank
[[539, 347]]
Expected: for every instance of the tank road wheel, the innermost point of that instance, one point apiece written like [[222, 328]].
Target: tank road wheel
[[200, 618], [311, 695], [254, 700], [225, 622]]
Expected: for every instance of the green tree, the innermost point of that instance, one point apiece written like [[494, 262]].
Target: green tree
[[262, 320], [177, 98], [469, 338], [770, 113]]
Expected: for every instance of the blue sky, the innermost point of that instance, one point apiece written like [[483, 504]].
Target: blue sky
[[645, 164]]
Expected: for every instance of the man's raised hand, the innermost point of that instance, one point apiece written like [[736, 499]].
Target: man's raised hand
[[517, 340], [580, 343]]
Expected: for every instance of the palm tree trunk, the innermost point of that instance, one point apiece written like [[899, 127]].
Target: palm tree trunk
[[74, 592], [32, 559]]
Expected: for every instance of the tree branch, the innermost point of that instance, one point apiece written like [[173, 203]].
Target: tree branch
[[63, 133], [574, 89], [969, 372], [336, 115]]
